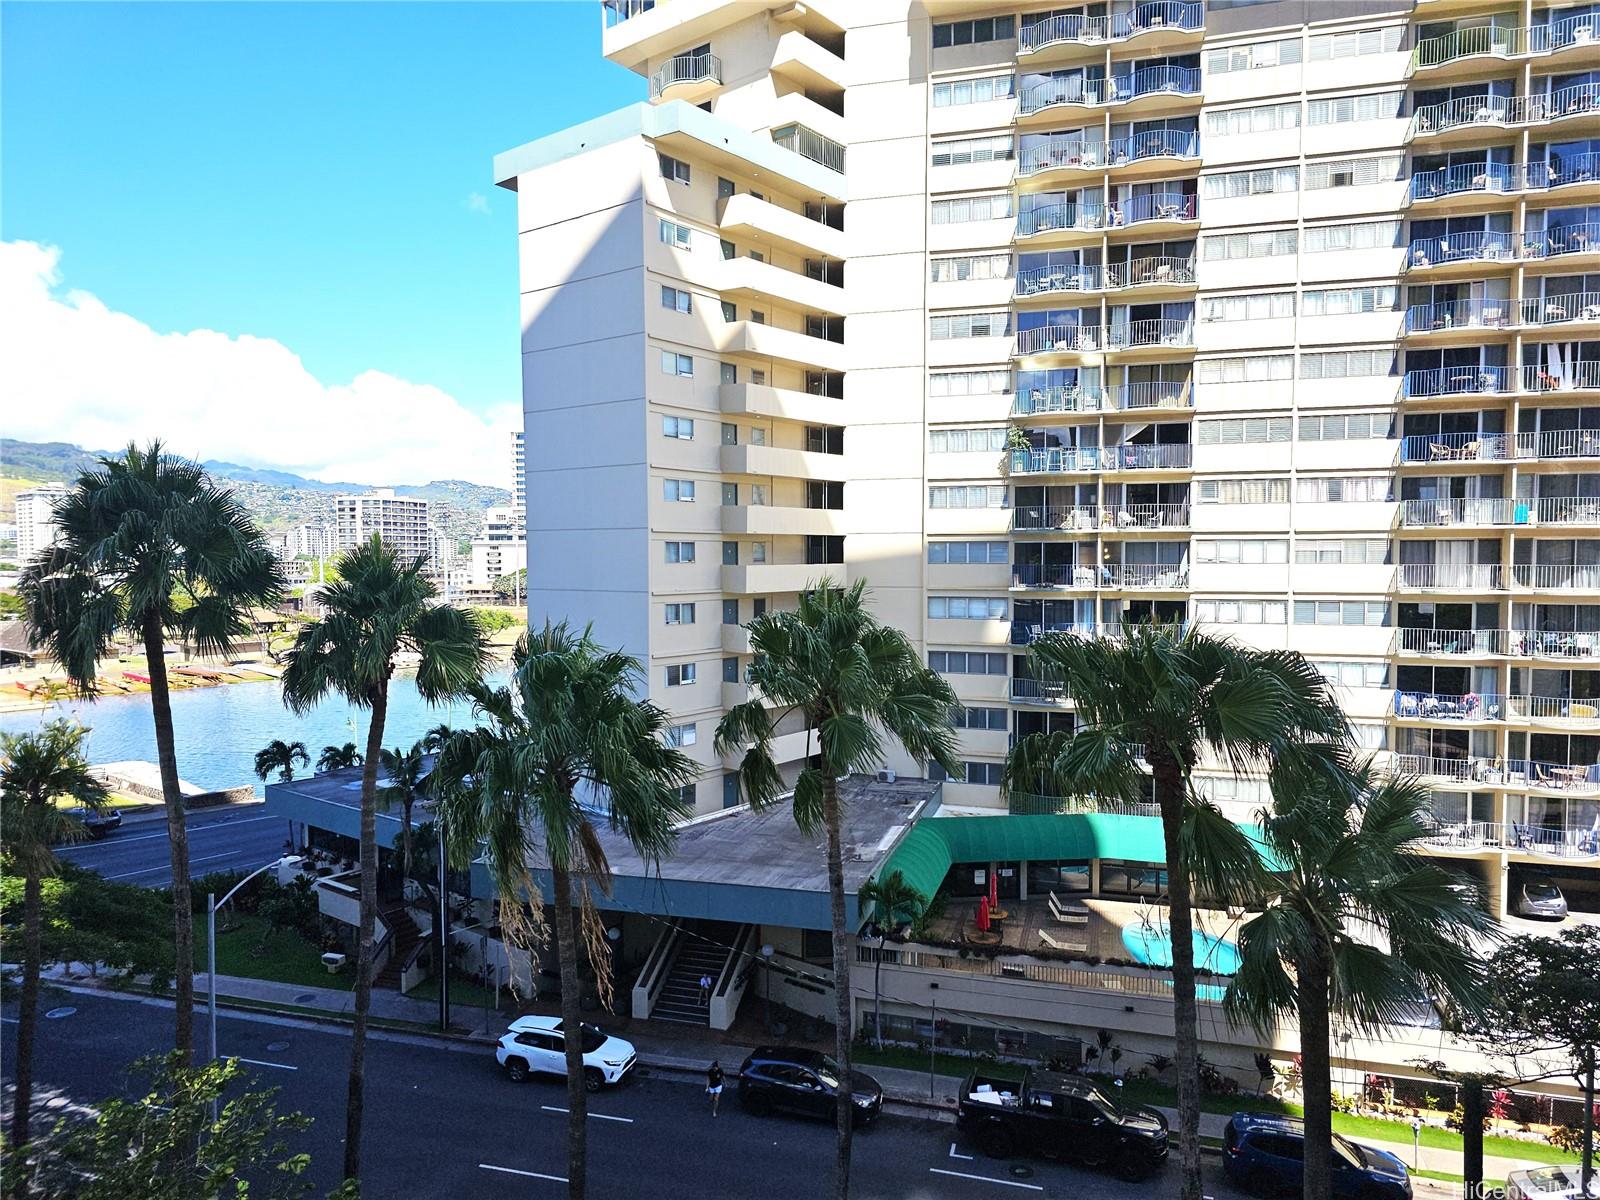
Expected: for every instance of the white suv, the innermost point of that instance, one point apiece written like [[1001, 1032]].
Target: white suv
[[532, 1044]]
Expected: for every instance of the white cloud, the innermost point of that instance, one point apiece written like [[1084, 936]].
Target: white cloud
[[477, 202], [72, 370]]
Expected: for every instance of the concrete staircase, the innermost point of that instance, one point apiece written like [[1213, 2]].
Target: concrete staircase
[[405, 934], [704, 949]]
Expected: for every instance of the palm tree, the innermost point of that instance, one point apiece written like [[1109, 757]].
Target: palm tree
[[433, 741], [564, 735], [405, 771], [1160, 696], [1357, 923], [149, 545], [849, 676], [379, 609], [36, 769], [334, 758], [280, 756], [894, 902]]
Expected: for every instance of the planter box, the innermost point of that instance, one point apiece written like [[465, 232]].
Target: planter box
[[333, 961]]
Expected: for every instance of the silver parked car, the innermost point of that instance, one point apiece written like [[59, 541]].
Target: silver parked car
[[1538, 896]]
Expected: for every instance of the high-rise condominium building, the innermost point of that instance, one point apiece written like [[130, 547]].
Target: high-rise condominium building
[[401, 521], [306, 540], [501, 547], [36, 523], [1272, 317], [519, 479]]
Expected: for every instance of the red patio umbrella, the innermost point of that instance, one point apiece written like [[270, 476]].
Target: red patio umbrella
[[994, 889], [983, 914]]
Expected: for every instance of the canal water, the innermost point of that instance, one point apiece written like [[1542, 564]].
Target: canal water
[[219, 729]]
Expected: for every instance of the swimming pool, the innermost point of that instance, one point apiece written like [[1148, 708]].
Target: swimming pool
[[1153, 947]]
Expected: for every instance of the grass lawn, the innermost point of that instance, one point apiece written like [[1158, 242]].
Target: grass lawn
[[463, 993], [113, 800], [289, 958]]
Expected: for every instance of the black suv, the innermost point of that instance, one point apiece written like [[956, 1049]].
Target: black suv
[[1057, 1115], [803, 1081]]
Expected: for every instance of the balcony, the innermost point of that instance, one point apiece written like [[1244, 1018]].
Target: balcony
[[1065, 154], [1143, 88], [1018, 803], [1562, 511], [1147, 577], [1558, 107], [1569, 778], [1155, 273], [1055, 577], [1541, 841], [1053, 280], [1555, 377], [1464, 180], [809, 144], [1461, 250], [1457, 381], [773, 520], [1571, 308], [690, 77], [1024, 633], [1061, 218], [1060, 339], [1055, 518], [1038, 691], [1456, 447], [759, 400], [1152, 18], [752, 280], [1415, 514], [735, 639], [755, 219], [1438, 769], [1558, 577], [1435, 122], [1057, 401], [1066, 460], [808, 64], [1568, 171], [1583, 238], [1168, 208], [1559, 444], [1451, 55], [1145, 397], [1472, 643], [1172, 332], [1554, 710], [1465, 577], [1075, 153], [773, 460], [1434, 706], [1561, 645], [770, 579], [1130, 397], [781, 345], [1459, 316]]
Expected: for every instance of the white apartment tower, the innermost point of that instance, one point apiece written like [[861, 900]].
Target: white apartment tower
[[519, 479], [501, 547], [1276, 317], [36, 522], [400, 520]]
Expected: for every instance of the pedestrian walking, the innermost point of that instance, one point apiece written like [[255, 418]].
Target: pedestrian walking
[[714, 1085], [705, 989]]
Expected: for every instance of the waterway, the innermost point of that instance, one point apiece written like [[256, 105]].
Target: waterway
[[219, 729]]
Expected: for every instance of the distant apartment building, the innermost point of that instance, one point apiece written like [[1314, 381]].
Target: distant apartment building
[[500, 549], [519, 479], [308, 540], [402, 521], [36, 524]]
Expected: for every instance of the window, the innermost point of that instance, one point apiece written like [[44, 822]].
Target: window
[[1344, 110], [758, 552], [674, 169], [1258, 118], [1259, 307], [680, 614], [1253, 56], [674, 234], [728, 372], [1259, 369], [730, 670], [1333, 302], [678, 675], [1356, 235], [1344, 489], [967, 33], [966, 608], [1341, 612], [978, 718], [730, 554], [677, 298], [1241, 612], [973, 91], [960, 553], [1266, 244], [730, 434], [966, 662], [1340, 427], [677, 364], [1353, 172], [730, 495], [1236, 431], [730, 310], [1252, 183], [1359, 42], [757, 317], [758, 376], [1342, 551], [1251, 551], [680, 490], [969, 383], [997, 148], [730, 612], [1347, 364], [725, 188], [961, 209], [969, 325], [1354, 674], [984, 773], [1271, 490], [971, 266], [967, 496], [679, 736], [680, 552], [681, 428], [966, 441]]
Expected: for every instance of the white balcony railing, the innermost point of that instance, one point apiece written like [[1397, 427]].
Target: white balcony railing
[[686, 68], [1456, 447], [1560, 309], [1476, 577], [1557, 577], [1456, 511]]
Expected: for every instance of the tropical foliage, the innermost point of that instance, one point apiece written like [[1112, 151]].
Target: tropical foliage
[[334, 758], [280, 756]]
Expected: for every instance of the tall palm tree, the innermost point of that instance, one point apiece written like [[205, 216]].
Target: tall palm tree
[[280, 756], [849, 677], [404, 769], [1166, 698], [150, 545], [36, 769], [433, 741], [1357, 923], [380, 608], [894, 902], [334, 758], [563, 742]]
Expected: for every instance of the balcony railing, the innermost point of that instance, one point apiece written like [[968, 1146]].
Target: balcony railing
[[1460, 770], [809, 144], [1060, 338], [1578, 842], [1457, 381], [1145, 577], [1464, 110], [1060, 805], [1150, 271], [1188, 15], [1152, 331], [1576, 100], [1134, 397], [1455, 447], [1478, 245], [1147, 516], [1582, 238], [1047, 401], [1551, 643], [1464, 177], [1068, 459], [1068, 89], [1156, 206], [1563, 709], [1037, 690], [1569, 168], [1076, 89], [1557, 576], [1460, 314], [1044, 517], [1562, 377], [1561, 777], [686, 68], [617, 11], [1472, 642], [1163, 79], [1455, 511], [1435, 706], [1561, 309], [1053, 575], [1025, 633], [1049, 217], [1560, 443], [1465, 43], [1059, 153], [1155, 143], [1040, 281], [1581, 30], [1563, 510], [1476, 577]]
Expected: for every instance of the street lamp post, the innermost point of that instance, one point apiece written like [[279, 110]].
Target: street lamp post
[[767, 951], [933, 1036], [212, 905]]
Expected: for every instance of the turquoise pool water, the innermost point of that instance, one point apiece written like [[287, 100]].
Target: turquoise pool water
[[1153, 947]]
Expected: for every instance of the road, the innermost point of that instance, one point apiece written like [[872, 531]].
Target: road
[[219, 840], [442, 1121]]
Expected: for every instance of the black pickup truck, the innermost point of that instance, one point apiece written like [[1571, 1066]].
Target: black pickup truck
[[1061, 1116]]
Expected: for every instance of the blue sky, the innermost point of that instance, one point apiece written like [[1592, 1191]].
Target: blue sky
[[314, 173]]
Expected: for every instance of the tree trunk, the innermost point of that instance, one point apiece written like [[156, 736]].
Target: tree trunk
[[1316, 1074], [356, 1091], [405, 838], [1185, 1016], [1472, 1138], [1588, 1125], [177, 837], [877, 997], [571, 1022], [28, 1011], [844, 1111]]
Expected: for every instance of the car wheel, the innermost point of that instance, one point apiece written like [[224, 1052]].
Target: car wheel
[[755, 1104], [1133, 1167], [995, 1141], [593, 1080], [516, 1070]]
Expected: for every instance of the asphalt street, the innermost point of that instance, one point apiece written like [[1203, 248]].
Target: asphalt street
[[442, 1121], [221, 840]]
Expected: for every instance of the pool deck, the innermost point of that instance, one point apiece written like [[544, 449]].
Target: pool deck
[[1031, 925]]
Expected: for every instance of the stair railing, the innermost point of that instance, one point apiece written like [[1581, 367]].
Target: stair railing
[[733, 979], [647, 988]]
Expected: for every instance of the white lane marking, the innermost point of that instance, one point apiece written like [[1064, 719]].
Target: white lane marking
[[595, 1115], [10, 1020], [106, 844], [1032, 1187], [256, 1062], [514, 1171], [168, 866], [968, 1157]]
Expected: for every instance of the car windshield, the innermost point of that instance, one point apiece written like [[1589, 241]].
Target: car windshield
[[1348, 1152], [828, 1071], [1541, 890], [593, 1038]]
